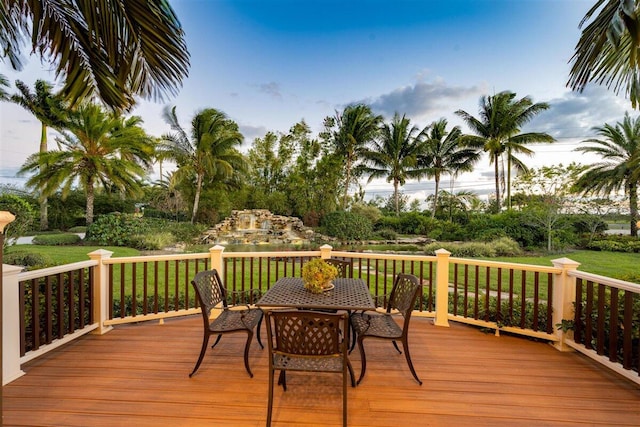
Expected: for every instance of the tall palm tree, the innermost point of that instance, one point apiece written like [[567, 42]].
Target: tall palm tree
[[356, 127], [97, 148], [136, 47], [394, 155], [497, 132], [619, 147], [607, 52], [445, 153], [49, 109], [209, 153]]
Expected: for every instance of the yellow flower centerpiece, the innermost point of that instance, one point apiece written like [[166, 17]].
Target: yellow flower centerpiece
[[317, 275]]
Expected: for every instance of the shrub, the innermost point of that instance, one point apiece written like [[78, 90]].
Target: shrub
[[387, 234], [152, 241], [30, 260], [56, 239], [78, 229], [25, 216], [500, 247], [116, 229], [346, 226]]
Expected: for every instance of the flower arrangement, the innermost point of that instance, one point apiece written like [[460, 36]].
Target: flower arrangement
[[317, 274]]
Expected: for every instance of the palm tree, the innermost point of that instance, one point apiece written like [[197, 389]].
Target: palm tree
[[394, 155], [619, 147], [357, 126], [209, 153], [136, 47], [97, 148], [607, 52], [3, 84], [497, 132], [444, 153], [49, 109]]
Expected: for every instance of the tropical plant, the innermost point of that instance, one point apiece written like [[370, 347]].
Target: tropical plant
[[497, 131], [317, 273], [444, 153], [607, 52], [619, 147], [97, 148], [209, 153], [49, 109], [136, 47], [394, 155], [356, 127]]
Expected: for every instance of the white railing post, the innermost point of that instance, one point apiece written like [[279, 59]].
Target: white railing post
[[564, 295], [215, 254], [10, 324], [325, 251], [101, 291], [442, 287]]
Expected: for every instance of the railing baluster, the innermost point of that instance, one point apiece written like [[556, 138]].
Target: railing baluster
[[134, 289], [499, 317], [577, 319], [613, 326], [455, 289], [549, 303], [627, 343], [600, 323], [60, 303], [48, 313], [536, 299], [588, 329]]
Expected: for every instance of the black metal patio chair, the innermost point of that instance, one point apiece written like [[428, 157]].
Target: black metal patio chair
[[404, 293], [211, 295], [307, 341]]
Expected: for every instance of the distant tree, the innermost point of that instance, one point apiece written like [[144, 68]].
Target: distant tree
[[497, 131], [97, 148], [394, 156], [445, 154], [49, 109], [619, 147], [356, 127], [136, 47], [607, 52], [209, 154]]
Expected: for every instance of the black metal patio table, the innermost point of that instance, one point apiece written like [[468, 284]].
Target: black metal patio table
[[347, 294]]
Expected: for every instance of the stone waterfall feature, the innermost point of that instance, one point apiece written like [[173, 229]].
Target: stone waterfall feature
[[258, 226]]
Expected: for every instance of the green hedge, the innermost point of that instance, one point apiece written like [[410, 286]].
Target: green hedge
[[56, 239]]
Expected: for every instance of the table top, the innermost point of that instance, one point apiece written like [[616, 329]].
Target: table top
[[347, 294]]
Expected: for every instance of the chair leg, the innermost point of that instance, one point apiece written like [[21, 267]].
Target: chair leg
[[351, 374], [258, 331], [405, 345], [282, 379], [344, 396], [363, 359], [203, 350], [217, 340], [270, 405], [395, 344], [246, 352]]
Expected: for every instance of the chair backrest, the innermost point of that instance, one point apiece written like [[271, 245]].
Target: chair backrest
[[345, 268], [209, 290], [306, 333], [406, 289]]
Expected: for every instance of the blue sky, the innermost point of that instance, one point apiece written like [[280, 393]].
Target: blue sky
[[271, 63]]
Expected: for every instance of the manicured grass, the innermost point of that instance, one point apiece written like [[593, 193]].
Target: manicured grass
[[68, 254], [618, 265]]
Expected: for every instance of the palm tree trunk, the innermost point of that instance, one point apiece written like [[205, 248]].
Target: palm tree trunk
[[396, 195], [435, 196], [497, 177], [633, 208], [44, 216], [347, 182], [509, 179], [90, 200], [196, 200]]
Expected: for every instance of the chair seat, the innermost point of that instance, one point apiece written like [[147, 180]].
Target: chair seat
[[381, 326], [236, 320], [313, 363]]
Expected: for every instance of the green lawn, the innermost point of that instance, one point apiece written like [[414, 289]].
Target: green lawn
[[618, 265], [68, 254]]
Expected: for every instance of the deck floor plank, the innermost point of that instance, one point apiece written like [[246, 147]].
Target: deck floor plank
[[137, 375]]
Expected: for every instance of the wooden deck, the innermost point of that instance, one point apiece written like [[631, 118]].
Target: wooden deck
[[137, 375]]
